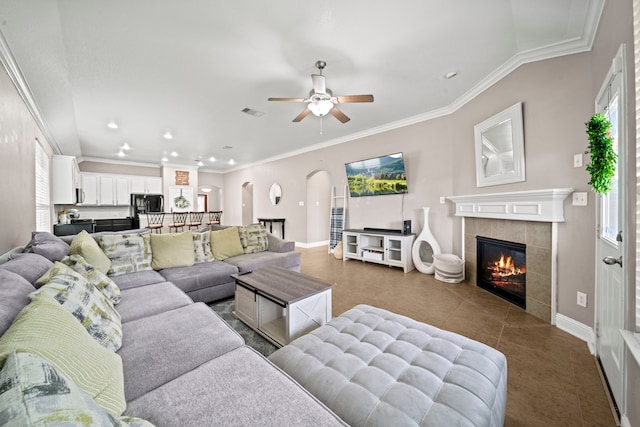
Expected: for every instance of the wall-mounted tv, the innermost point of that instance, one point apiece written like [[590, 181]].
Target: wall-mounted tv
[[377, 176]]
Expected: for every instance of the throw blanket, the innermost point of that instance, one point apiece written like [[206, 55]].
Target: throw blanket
[[337, 225]]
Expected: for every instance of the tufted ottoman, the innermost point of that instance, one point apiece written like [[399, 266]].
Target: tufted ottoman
[[377, 368]]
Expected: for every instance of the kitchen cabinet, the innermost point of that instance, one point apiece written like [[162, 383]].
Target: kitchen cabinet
[[146, 185], [65, 180], [114, 190], [106, 193], [90, 188]]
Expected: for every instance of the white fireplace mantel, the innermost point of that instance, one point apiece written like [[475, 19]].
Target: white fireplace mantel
[[535, 205]]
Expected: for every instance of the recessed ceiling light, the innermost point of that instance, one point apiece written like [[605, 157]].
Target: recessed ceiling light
[[164, 159], [200, 163], [121, 153], [112, 125], [174, 154], [450, 75], [125, 146], [212, 159], [231, 162], [167, 134]]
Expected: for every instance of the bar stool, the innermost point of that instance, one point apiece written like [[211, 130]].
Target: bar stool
[[214, 217], [154, 221], [195, 219], [179, 221]]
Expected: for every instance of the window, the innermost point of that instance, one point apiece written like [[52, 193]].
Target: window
[[43, 203]]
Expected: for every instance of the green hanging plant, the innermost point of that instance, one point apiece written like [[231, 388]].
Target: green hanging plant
[[603, 158]]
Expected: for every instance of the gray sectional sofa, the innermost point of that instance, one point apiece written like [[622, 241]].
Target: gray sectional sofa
[[181, 364]]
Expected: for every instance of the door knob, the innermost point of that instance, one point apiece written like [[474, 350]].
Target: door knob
[[611, 260]]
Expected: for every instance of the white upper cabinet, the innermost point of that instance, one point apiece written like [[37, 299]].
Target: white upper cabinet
[[90, 188], [66, 179], [115, 190]]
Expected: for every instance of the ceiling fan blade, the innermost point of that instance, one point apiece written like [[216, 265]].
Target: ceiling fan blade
[[287, 99], [354, 98], [319, 84], [302, 115], [339, 115]]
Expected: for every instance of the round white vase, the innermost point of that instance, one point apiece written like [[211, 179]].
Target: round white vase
[[424, 247]]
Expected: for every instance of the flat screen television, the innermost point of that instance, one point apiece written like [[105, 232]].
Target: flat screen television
[[377, 176]]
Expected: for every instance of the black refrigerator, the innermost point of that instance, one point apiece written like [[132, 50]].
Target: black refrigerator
[[143, 203]]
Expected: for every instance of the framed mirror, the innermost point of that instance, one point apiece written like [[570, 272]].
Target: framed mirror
[[499, 144], [275, 193]]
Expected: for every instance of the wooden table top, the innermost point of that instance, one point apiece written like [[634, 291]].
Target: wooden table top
[[281, 284]]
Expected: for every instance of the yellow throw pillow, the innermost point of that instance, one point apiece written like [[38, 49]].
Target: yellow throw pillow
[[85, 245], [172, 250], [225, 243], [45, 328]]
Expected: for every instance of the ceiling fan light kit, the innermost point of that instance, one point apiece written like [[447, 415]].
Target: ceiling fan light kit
[[321, 100]]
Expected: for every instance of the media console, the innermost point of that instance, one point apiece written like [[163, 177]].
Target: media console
[[388, 247]]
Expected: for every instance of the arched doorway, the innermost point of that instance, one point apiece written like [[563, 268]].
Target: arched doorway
[[318, 207], [247, 203]]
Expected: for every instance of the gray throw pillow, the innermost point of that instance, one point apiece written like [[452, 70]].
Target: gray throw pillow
[[49, 246], [14, 296], [30, 266]]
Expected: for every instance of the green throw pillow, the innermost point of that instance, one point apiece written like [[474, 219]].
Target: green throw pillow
[[172, 250], [253, 238], [34, 392], [85, 245], [129, 253], [202, 246], [80, 298], [45, 328], [100, 280], [226, 243]]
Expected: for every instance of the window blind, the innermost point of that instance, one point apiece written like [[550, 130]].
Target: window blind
[[43, 202]]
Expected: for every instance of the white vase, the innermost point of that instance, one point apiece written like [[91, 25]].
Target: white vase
[[424, 247]]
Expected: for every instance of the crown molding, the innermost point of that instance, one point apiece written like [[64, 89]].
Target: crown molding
[[118, 162]]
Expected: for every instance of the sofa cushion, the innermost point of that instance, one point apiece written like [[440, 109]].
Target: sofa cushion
[[139, 278], [46, 244], [199, 276], [34, 392], [82, 299], [249, 262], [45, 328], [226, 243], [128, 252], [253, 238], [145, 301], [94, 276], [14, 296], [241, 388], [28, 265], [194, 330], [202, 246], [87, 247], [172, 250]]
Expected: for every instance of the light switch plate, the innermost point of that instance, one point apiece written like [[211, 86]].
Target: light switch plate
[[579, 198], [582, 299], [577, 160], [442, 200], [300, 203]]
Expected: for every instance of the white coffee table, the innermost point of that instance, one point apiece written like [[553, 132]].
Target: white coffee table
[[280, 304]]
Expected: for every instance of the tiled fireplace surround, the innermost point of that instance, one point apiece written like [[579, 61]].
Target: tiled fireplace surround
[[537, 237], [528, 217]]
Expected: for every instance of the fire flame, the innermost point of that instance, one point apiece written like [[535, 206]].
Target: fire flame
[[505, 267]]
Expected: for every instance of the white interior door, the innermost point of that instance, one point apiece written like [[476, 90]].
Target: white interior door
[[612, 238]]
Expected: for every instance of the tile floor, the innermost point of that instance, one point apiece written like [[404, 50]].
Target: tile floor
[[553, 380]]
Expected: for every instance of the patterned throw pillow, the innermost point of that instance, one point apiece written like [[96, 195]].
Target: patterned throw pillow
[[100, 280], [34, 392], [80, 298], [202, 246], [253, 238], [45, 328], [128, 252]]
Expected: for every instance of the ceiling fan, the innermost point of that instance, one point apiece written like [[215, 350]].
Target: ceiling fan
[[321, 100]]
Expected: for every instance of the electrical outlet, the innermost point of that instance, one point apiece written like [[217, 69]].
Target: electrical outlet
[[579, 198], [442, 200], [582, 299], [577, 160]]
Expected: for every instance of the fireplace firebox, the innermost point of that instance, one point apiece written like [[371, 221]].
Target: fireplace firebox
[[502, 269]]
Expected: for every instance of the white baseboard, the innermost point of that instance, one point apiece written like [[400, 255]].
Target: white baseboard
[[578, 330], [312, 244]]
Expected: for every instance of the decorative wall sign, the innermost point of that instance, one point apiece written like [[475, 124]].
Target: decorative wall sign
[[181, 199], [182, 177]]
